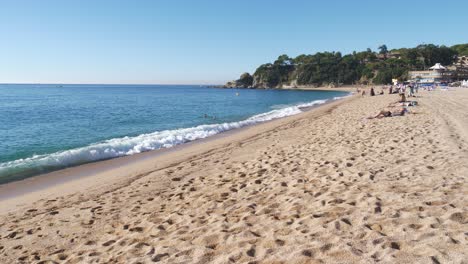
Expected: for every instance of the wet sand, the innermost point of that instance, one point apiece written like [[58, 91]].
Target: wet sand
[[325, 186]]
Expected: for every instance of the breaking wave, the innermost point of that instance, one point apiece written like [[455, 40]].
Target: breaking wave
[[125, 146]]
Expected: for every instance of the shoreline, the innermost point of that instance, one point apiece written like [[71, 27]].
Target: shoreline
[[324, 186], [41, 183], [344, 88], [28, 167]]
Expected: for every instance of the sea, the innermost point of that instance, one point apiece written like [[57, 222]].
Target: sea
[[47, 127]]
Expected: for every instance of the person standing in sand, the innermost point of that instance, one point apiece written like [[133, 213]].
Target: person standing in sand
[[411, 91], [402, 97]]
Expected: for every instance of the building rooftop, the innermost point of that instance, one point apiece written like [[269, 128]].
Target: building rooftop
[[438, 66]]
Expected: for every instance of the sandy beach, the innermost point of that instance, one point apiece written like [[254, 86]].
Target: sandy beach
[[324, 186]]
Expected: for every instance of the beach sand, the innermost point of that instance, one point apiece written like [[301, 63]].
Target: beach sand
[[325, 186]]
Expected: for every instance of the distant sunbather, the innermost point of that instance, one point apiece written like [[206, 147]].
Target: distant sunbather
[[383, 113], [407, 103], [410, 103], [388, 113]]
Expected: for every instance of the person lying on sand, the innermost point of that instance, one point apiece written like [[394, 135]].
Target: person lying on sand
[[388, 113], [407, 103], [410, 103]]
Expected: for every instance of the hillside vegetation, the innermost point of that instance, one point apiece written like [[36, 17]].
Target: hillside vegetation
[[333, 68]]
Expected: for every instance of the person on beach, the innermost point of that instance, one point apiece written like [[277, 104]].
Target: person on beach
[[411, 91], [363, 93], [405, 104], [383, 113], [388, 113], [402, 97], [372, 92]]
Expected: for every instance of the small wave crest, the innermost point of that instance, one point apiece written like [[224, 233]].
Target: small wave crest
[[125, 146]]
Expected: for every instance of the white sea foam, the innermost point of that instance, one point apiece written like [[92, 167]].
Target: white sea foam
[[118, 147], [342, 97]]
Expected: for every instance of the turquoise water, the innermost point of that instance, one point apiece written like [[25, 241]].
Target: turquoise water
[[48, 127]]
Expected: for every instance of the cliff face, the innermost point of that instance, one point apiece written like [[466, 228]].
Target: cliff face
[[266, 78], [271, 78], [259, 81], [245, 81]]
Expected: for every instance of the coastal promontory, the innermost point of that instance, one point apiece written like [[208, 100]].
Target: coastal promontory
[[335, 69]]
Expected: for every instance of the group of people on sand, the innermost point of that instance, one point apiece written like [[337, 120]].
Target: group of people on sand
[[399, 108], [401, 89], [371, 92], [411, 89]]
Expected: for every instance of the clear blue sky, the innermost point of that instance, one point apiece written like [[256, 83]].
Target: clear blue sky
[[203, 41]]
